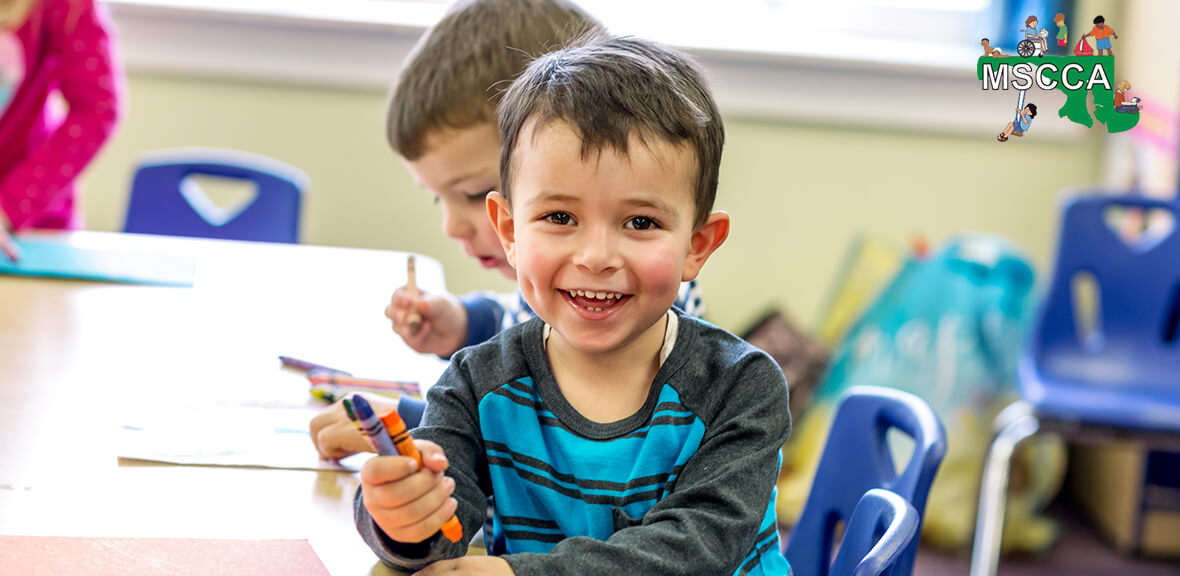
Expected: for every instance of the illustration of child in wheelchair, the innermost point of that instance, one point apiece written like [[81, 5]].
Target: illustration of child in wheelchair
[[1034, 43]]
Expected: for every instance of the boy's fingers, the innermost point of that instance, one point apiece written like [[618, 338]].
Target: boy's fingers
[[318, 425], [339, 440], [403, 299], [387, 469], [439, 516], [433, 457], [423, 515], [426, 528], [394, 497]]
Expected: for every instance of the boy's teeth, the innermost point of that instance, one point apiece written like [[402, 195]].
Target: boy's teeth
[[596, 295]]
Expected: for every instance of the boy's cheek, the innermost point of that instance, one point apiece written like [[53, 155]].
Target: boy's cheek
[[659, 271]]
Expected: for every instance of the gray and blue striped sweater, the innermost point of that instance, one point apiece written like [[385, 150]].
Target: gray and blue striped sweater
[[683, 486]]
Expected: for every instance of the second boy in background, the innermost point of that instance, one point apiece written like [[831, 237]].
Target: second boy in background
[[442, 121], [617, 434]]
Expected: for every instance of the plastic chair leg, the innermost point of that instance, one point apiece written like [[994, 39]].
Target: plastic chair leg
[[1015, 423]]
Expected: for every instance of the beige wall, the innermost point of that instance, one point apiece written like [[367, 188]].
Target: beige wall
[[797, 193]]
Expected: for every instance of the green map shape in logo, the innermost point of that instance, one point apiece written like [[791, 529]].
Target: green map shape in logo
[[1075, 100]]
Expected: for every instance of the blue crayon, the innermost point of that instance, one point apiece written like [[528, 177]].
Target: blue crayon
[[372, 427]]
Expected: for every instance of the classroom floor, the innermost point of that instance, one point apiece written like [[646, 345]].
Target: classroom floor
[[1080, 552]]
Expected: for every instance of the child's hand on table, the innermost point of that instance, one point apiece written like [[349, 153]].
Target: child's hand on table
[[334, 434], [441, 328], [8, 247], [408, 504], [472, 565]]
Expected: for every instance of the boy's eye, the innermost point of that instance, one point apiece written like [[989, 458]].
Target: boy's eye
[[642, 223], [479, 196], [559, 218]]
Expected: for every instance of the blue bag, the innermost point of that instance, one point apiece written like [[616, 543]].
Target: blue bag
[[949, 329]]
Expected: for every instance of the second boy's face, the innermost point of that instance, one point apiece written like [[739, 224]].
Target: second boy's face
[[602, 242], [460, 167]]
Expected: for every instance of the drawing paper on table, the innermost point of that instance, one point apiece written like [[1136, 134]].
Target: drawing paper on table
[[55, 257], [53, 555], [227, 436]]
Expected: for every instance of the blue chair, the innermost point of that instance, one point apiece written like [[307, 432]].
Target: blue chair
[[1122, 378], [881, 529], [857, 459], [166, 200]]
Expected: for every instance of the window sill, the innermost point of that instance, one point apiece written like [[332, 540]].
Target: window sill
[[938, 95]]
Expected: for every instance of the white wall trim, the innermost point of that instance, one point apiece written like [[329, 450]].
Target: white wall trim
[[365, 54]]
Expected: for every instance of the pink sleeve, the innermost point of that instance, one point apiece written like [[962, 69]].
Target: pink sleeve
[[90, 82]]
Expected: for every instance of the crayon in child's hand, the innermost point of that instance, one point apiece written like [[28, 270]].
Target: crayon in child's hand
[[396, 427], [371, 426], [413, 317], [347, 403]]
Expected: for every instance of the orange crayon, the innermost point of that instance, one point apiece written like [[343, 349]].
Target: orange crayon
[[396, 427]]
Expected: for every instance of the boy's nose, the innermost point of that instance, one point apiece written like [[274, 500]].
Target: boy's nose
[[598, 251], [455, 225]]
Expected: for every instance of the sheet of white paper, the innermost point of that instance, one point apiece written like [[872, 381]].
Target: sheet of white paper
[[242, 436]]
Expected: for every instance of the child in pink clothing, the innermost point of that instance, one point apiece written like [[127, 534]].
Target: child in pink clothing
[[63, 46]]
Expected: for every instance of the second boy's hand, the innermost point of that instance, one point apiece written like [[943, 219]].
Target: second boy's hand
[[443, 321]]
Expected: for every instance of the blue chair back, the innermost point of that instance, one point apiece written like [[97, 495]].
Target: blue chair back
[[857, 459], [165, 200], [1136, 347], [881, 529]]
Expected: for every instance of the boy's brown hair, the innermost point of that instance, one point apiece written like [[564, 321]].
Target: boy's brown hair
[[449, 78], [607, 89]]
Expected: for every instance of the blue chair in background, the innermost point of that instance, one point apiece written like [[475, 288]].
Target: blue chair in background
[[881, 529], [166, 200], [1117, 374], [856, 459]]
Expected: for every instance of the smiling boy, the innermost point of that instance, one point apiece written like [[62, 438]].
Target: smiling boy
[[617, 434]]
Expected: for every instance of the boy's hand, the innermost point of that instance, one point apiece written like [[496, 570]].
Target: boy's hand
[[336, 437], [8, 245], [473, 565], [408, 504], [442, 329]]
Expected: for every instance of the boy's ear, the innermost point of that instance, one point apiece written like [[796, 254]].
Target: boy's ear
[[501, 216], [709, 237]]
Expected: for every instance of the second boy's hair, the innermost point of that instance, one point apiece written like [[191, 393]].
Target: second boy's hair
[[607, 89], [448, 79]]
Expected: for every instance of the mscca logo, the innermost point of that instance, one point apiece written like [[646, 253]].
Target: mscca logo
[[1076, 67]]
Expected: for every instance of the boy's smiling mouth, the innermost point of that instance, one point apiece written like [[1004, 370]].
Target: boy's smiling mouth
[[595, 300]]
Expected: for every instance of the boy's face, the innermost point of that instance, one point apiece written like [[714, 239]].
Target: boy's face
[[611, 224], [459, 169]]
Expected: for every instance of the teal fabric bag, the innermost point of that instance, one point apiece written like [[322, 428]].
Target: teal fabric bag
[[949, 328]]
